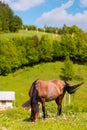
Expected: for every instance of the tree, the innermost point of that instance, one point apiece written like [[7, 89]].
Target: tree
[[31, 51], [8, 56], [68, 46], [8, 22], [80, 53], [65, 29], [68, 70], [45, 49], [57, 50], [16, 24]]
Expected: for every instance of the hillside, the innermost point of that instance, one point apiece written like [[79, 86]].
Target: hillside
[[21, 80], [74, 116], [24, 33]]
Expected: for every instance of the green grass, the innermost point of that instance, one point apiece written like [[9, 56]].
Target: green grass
[[74, 116], [24, 33], [17, 119]]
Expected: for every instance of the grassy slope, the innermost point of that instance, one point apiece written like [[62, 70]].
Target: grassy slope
[[74, 115], [23, 33]]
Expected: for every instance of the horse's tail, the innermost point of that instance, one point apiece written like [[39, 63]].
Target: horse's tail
[[72, 89], [33, 96]]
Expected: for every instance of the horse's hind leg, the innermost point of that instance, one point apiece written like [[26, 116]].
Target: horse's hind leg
[[59, 103], [32, 115]]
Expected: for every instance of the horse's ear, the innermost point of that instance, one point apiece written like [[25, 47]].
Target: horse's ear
[[26, 105]]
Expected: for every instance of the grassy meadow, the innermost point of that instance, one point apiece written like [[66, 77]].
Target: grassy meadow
[[74, 116], [24, 33]]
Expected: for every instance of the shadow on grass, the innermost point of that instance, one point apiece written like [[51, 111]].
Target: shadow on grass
[[27, 120]]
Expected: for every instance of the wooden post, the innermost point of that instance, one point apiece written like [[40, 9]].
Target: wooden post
[[64, 99]]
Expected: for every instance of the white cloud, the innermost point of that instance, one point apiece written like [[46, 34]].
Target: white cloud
[[56, 15], [84, 3], [67, 5], [60, 16], [23, 5]]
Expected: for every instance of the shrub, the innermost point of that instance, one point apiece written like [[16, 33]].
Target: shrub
[[68, 70]]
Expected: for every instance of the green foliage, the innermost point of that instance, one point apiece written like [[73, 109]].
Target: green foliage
[[68, 45], [45, 49], [80, 53], [57, 50], [19, 51], [75, 47], [15, 53], [8, 22], [31, 51], [8, 56], [16, 24], [4, 66], [68, 70]]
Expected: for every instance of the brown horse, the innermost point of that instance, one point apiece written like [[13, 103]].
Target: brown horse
[[43, 91]]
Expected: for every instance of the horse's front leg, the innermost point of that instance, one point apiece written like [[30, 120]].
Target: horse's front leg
[[43, 108]]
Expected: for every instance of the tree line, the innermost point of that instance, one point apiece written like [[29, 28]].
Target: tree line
[[18, 52], [55, 30], [9, 21]]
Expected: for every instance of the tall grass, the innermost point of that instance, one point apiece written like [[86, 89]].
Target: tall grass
[[17, 119]]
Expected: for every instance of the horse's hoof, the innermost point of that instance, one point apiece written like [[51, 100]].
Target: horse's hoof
[[31, 120]]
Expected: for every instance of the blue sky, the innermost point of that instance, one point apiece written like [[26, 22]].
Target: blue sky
[[54, 13]]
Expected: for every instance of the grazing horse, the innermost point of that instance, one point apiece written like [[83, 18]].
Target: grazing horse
[[44, 91]]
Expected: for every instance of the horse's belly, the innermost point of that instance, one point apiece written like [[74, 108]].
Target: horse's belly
[[50, 99], [52, 93]]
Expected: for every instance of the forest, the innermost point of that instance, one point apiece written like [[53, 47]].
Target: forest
[[18, 52]]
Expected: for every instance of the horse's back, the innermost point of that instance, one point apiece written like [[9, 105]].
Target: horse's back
[[50, 89], [59, 83]]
